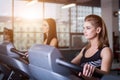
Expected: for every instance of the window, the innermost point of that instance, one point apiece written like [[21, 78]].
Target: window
[[27, 22]]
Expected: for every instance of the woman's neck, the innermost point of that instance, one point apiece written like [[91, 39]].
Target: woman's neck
[[94, 42]]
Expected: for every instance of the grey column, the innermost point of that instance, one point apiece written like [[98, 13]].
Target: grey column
[[108, 7]]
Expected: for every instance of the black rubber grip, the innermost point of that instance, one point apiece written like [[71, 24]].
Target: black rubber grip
[[69, 65], [17, 52], [75, 67]]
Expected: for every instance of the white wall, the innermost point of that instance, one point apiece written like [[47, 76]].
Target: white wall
[[108, 7]]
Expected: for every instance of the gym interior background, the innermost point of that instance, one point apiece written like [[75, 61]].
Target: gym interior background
[[23, 26]]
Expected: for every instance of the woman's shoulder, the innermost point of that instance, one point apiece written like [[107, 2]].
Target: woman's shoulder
[[106, 51], [54, 42], [106, 48], [54, 39], [83, 49]]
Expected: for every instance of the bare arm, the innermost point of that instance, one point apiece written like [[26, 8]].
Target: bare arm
[[77, 59], [54, 42], [107, 57]]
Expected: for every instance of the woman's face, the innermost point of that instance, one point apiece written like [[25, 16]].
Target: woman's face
[[89, 31], [45, 27]]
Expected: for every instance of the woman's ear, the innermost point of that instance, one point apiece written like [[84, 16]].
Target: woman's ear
[[98, 30]]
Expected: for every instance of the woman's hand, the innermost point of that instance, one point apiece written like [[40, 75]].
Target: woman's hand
[[88, 70], [26, 55]]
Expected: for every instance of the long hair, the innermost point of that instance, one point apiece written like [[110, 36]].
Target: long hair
[[8, 35], [97, 21], [52, 33]]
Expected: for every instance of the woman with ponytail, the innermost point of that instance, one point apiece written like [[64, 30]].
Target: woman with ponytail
[[96, 56]]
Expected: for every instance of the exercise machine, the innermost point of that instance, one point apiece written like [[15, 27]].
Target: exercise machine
[[45, 63]]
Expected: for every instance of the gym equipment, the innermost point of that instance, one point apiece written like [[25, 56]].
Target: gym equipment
[[18, 70], [5, 49], [8, 49], [45, 63], [11, 63]]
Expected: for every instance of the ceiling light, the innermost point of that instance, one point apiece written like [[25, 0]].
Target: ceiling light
[[69, 5], [32, 2]]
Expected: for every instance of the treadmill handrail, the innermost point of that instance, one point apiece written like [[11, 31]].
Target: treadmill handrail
[[69, 65], [17, 52], [15, 64]]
